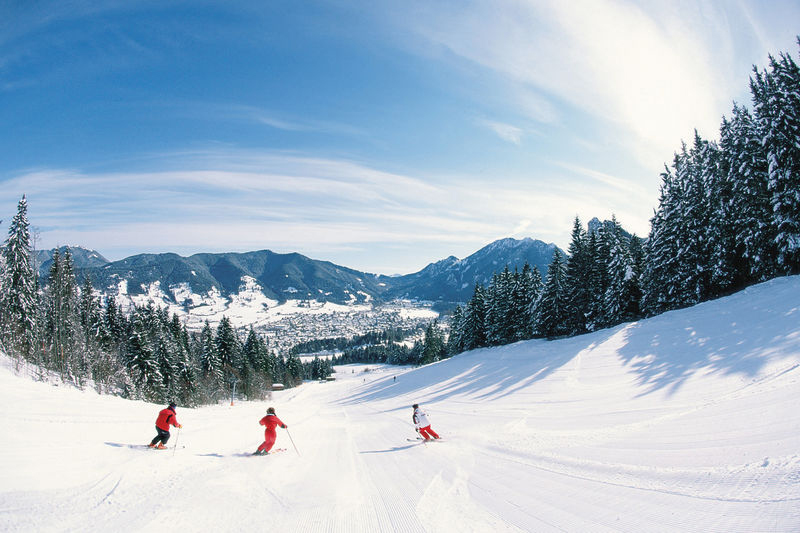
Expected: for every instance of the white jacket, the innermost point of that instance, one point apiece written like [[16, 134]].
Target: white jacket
[[421, 419]]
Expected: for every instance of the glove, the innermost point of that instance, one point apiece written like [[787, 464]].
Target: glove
[[416, 429], [180, 426], [285, 426]]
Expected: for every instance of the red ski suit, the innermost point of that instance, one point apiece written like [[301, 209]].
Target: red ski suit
[[270, 421], [166, 418]]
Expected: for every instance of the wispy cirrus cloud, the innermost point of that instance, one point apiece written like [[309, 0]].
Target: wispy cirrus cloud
[[507, 132], [273, 119], [238, 200], [651, 72]]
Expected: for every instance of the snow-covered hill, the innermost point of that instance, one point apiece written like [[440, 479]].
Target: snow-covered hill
[[684, 422]]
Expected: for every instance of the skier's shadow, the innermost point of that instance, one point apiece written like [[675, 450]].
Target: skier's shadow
[[390, 450], [125, 445]]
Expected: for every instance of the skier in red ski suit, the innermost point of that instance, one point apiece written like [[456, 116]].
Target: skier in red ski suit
[[422, 424], [270, 422], [166, 418]]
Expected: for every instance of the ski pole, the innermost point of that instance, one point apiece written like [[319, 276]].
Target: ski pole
[[291, 439], [176, 442]]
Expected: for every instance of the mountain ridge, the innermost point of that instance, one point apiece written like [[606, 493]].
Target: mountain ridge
[[296, 276]]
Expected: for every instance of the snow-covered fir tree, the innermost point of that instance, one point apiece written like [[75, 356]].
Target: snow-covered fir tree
[[751, 253], [500, 305], [776, 97], [228, 350], [455, 340], [210, 363], [620, 271], [661, 275], [552, 305], [294, 369], [474, 323], [433, 344], [527, 292], [18, 300], [578, 280], [61, 316], [142, 360]]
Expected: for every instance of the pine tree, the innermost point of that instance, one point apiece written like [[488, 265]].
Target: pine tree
[[474, 325], [551, 318], [535, 287], [294, 369], [210, 364], [433, 346], [748, 208], [620, 270], [165, 351], [661, 275], [776, 96], [186, 371], [491, 317], [62, 318], [696, 247], [90, 318], [632, 292], [228, 348], [251, 348], [598, 257], [18, 299], [142, 360], [254, 367], [528, 287], [499, 323], [455, 342], [578, 280]]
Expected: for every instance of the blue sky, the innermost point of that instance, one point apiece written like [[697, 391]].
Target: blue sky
[[377, 135]]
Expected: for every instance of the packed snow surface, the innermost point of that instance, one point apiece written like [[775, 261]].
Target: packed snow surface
[[684, 422]]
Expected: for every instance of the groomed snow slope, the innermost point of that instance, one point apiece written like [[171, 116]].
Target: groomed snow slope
[[684, 422]]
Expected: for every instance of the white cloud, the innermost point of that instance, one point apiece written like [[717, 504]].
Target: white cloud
[[238, 201], [507, 132], [653, 71]]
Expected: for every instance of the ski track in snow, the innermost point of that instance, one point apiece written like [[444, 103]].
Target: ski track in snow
[[685, 422]]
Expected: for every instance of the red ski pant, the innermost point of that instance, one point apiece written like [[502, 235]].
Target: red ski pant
[[428, 433], [269, 441]]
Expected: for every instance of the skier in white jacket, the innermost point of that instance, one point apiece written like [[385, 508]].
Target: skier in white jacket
[[422, 424]]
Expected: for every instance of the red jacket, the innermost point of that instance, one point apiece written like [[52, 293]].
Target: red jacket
[[270, 421], [166, 418]]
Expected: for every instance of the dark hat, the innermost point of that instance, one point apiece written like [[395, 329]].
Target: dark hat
[[415, 406], [271, 411], [172, 405]]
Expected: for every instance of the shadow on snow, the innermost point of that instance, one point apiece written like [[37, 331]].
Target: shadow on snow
[[738, 334]]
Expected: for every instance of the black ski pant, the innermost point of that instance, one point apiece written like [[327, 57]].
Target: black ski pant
[[162, 436]]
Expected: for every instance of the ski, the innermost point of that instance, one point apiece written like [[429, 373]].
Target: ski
[[276, 450], [420, 439], [139, 446]]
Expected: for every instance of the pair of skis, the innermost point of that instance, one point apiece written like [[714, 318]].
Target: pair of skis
[[276, 450]]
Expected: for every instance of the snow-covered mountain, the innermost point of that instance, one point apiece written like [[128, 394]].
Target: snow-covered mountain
[[453, 279], [82, 258], [683, 422], [186, 281], [279, 276]]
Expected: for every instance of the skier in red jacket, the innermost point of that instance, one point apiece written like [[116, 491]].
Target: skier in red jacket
[[270, 422], [166, 418]]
